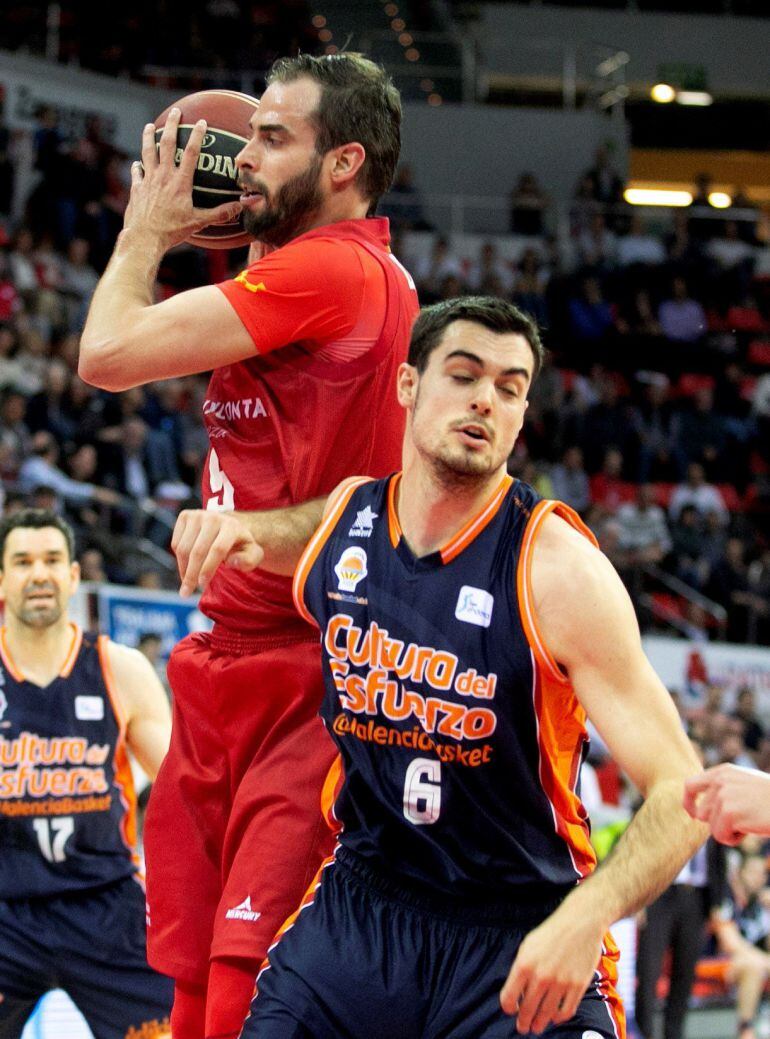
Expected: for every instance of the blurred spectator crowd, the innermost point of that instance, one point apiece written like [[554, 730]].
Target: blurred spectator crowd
[[212, 40], [652, 418]]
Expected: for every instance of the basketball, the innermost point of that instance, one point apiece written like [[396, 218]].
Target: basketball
[[227, 114]]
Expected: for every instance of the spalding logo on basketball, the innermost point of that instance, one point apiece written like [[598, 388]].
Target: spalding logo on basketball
[[227, 114]]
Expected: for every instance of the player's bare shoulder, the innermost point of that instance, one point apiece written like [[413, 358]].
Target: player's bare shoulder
[[134, 677], [577, 593]]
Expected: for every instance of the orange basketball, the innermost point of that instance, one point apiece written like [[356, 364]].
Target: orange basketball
[[227, 114]]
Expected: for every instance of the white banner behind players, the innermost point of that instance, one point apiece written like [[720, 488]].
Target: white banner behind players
[[687, 667]]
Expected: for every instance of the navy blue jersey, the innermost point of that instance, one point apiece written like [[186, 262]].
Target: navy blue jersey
[[67, 803], [460, 738]]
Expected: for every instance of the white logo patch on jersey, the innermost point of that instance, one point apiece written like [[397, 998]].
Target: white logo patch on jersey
[[351, 569], [474, 606], [364, 524], [591, 1035], [243, 912], [3, 703], [89, 708]]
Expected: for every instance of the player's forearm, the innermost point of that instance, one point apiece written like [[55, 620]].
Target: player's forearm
[[110, 347], [647, 858], [284, 533]]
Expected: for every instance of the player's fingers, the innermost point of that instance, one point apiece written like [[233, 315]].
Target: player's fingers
[[192, 149], [149, 150], [547, 1011], [514, 988], [183, 538], [179, 528], [167, 146], [198, 555], [246, 558], [137, 173], [220, 549], [692, 788], [722, 826], [529, 1005], [569, 1003], [191, 551], [221, 214]]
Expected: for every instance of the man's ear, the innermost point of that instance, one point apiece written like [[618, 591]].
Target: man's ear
[[407, 381], [347, 161]]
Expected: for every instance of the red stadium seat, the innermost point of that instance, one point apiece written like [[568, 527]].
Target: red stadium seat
[[732, 499], [745, 319], [663, 492], [759, 353], [690, 382]]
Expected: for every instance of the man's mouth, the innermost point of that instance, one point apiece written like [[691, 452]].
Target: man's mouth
[[476, 432], [39, 596], [250, 194]]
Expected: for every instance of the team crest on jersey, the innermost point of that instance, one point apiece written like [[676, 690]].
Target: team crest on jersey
[[474, 606], [364, 524], [351, 569]]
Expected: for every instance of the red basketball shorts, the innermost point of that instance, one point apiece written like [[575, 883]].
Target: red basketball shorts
[[234, 832]]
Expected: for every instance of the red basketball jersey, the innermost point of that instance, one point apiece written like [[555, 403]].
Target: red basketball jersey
[[330, 314]]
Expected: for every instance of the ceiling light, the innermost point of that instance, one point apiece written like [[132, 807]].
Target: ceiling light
[[662, 93], [720, 200], [656, 197], [701, 98]]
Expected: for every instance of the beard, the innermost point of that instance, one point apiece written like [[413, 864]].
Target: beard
[[34, 615], [459, 468], [288, 214]]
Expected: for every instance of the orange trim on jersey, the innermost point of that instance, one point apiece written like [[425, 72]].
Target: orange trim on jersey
[[313, 548], [474, 526], [69, 660], [394, 527], [606, 982], [7, 658], [560, 716], [333, 783], [307, 900], [467, 532], [560, 736], [124, 779]]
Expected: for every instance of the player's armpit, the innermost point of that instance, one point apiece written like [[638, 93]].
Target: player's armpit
[[144, 704]]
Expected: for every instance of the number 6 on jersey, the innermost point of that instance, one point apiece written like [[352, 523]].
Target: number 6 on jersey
[[422, 791]]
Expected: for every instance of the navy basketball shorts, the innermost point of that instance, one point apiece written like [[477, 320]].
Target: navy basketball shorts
[[365, 959], [92, 945]]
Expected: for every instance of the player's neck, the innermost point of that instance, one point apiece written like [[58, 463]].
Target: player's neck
[[431, 513], [340, 207], [39, 654]]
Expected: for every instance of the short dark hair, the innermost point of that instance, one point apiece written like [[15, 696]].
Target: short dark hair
[[36, 519], [358, 103], [490, 311]]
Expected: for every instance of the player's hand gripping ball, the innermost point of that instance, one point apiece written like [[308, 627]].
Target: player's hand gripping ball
[[227, 114]]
